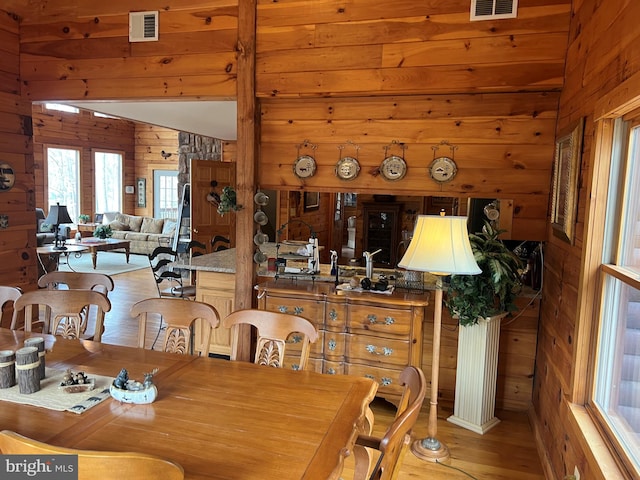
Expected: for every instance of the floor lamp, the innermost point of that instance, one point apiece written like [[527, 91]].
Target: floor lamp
[[440, 246]]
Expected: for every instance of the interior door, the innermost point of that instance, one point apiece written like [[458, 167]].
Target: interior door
[[206, 222]]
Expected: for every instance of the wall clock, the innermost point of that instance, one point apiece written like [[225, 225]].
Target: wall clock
[[443, 169], [347, 168], [393, 168], [304, 166], [7, 177]]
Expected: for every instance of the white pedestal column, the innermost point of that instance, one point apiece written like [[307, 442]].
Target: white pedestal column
[[476, 373]]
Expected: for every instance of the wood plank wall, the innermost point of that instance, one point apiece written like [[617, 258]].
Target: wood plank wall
[[18, 265], [603, 51], [84, 131]]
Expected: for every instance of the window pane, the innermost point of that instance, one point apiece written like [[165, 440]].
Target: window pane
[[617, 380], [165, 194], [630, 236], [108, 182], [63, 177]]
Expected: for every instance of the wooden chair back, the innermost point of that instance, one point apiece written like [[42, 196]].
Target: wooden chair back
[[65, 310], [179, 317], [393, 445], [97, 464], [273, 330], [99, 282], [7, 295]]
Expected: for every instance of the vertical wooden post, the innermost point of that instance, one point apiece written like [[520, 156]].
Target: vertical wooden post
[[246, 166]]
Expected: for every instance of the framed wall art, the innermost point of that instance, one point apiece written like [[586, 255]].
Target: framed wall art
[[311, 201], [566, 170], [141, 185]]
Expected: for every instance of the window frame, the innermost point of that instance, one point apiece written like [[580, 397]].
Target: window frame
[[47, 198], [94, 152]]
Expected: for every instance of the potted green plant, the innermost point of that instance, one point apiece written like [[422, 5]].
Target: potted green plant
[[102, 231], [83, 218], [480, 302], [472, 297], [228, 201]]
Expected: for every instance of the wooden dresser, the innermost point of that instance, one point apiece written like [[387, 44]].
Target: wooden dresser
[[364, 334]]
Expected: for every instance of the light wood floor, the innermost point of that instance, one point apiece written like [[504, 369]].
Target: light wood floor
[[505, 452]]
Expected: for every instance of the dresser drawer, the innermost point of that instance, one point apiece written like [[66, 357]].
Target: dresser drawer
[[386, 320], [377, 351], [333, 368], [334, 345], [312, 310], [388, 379], [335, 318]]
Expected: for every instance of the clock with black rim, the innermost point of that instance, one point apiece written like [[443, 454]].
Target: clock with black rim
[[443, 169], [393, 168], [347, 168], [304, 166]]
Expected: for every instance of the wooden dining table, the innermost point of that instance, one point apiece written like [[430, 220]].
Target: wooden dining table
[[218, 419]]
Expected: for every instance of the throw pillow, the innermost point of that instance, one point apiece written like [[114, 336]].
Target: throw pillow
[[116, 225], [169, 227], [152, 225]]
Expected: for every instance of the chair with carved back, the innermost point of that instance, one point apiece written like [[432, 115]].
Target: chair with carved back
[[63, 309], [179, 318], [92, 464], [98, 282], [218, 243], [274, 329], [8, 296], [393, 445]]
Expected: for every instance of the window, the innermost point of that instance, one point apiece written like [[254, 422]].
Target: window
[[615, 398], [107, 181], [165, 194], [63, 178], [61, 107]]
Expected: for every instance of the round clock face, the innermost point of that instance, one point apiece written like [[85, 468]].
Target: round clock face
[[7, 177], [393, 168], [304, 166], [492, 212], [347, 168], [443, 169]]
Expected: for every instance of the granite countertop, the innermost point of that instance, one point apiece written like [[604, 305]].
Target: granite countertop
[[223, 261]]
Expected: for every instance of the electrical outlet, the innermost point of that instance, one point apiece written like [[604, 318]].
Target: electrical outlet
[[576, 473]]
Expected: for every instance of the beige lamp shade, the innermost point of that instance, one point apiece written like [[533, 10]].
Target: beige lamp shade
[[440, 245]]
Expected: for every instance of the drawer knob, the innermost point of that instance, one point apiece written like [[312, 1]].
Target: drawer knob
[[373, 319], [332, 344], [384, 381], [333, 315], [386, 351]]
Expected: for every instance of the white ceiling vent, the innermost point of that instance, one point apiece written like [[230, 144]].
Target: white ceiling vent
[[143, 26], [492, 9]]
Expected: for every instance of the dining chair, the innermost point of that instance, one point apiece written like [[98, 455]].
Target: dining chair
[[99, 282], [218, 243], [8, 295], [179, 318], [394, 443], [159, 260], [63, 310], [94, 464], [276, 332]]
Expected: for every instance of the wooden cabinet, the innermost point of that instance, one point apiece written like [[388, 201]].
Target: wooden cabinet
[[382, 231], [217, 289], [363, 334]]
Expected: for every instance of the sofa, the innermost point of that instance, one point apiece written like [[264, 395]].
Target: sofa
[[144, 233]]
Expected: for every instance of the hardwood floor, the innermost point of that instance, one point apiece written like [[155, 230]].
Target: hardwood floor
[[506, 452]]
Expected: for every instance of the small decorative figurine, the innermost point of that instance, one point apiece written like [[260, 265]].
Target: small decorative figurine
[[131, 391]]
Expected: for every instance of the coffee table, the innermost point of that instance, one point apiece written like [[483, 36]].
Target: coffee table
[[55, 254], [95, 245]]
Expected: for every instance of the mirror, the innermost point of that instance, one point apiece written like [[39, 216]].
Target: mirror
[[352, 223]]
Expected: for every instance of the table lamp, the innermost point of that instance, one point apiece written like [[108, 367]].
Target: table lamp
[[440, 246], [57, 216]]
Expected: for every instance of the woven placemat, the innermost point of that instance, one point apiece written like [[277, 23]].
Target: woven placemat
[[51, 396]]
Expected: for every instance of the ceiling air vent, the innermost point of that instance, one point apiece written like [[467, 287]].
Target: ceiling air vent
[[143, 26], [492, 9]]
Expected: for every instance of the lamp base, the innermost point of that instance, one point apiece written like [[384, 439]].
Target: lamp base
[[60, 247], [431, 450]]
